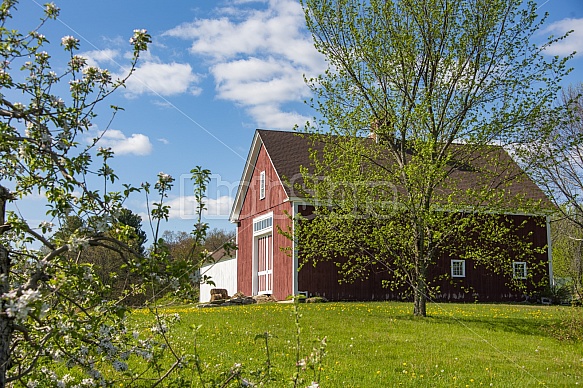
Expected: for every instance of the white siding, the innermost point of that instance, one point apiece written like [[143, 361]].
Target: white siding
[[224, 274]]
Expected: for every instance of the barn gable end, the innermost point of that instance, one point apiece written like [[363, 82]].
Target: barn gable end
[[264, 264]]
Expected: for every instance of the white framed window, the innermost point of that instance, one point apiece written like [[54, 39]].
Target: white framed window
[[458, 268], [263, 224], [519, 270], [262, 185]]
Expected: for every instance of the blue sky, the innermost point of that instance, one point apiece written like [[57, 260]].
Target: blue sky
[[215, 71]]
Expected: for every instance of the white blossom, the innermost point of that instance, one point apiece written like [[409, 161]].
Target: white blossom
[[100, 225], [165, 178], [57, 102], [138, 34], [104, 330], [144, 354], [75, 85], [18, 307], [77, 243], [29, 128], [46, 139], [42, 56], [22, 152], [161, 328], [45, 225], [119, 366], [77, 62], [88, 383], [69, 42], [51, 8]]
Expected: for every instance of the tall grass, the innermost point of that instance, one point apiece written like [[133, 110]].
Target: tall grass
[[382, 344]]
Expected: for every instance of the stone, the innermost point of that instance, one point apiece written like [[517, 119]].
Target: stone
[[219, 293], [264, 299], [241, 300], [316, 299]]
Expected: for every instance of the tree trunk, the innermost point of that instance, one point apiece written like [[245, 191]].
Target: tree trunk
[[420, 288], [420, 298], [5, 322]]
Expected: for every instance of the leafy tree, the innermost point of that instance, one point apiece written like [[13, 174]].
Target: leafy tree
[[53, 315], [554, 158], [183, 247], [112, 270], [129, 218], [422, 76], [51, 304], [216, 239], [567, 238], [180, 243]]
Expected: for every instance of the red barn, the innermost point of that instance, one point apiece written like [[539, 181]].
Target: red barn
[[267, 262]]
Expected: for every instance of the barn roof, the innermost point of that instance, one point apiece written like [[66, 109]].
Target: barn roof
[[290, 150]]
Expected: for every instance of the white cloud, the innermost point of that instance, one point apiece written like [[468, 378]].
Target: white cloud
[[150, 77], [164, 79], [184, 207], [137, 143], [271, 116], [95, 57], [257, 57], [163, 140], [574, 42], [255, 81]]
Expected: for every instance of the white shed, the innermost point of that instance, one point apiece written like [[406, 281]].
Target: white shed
[[223, 273]]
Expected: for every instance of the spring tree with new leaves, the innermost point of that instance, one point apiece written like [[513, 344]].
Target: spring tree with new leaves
[[60, 325], [438, 83]]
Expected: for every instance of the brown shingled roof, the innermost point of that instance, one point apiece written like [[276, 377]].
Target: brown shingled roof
[[290, 150]]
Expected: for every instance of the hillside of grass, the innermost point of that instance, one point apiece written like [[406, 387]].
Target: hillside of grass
[[382, 344]]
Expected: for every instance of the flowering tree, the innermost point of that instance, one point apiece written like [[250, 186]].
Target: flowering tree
[[52, 304]]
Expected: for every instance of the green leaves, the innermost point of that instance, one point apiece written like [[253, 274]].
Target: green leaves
[[65, 314], [434, 83]]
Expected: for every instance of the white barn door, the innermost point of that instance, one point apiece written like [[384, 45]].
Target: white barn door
[[265, 264]]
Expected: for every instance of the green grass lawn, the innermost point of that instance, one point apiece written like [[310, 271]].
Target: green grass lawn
[[383, 345]]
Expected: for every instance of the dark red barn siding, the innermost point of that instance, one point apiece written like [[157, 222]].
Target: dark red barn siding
[[479, 284], [485, 285], [253, 207], [324, 280]]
